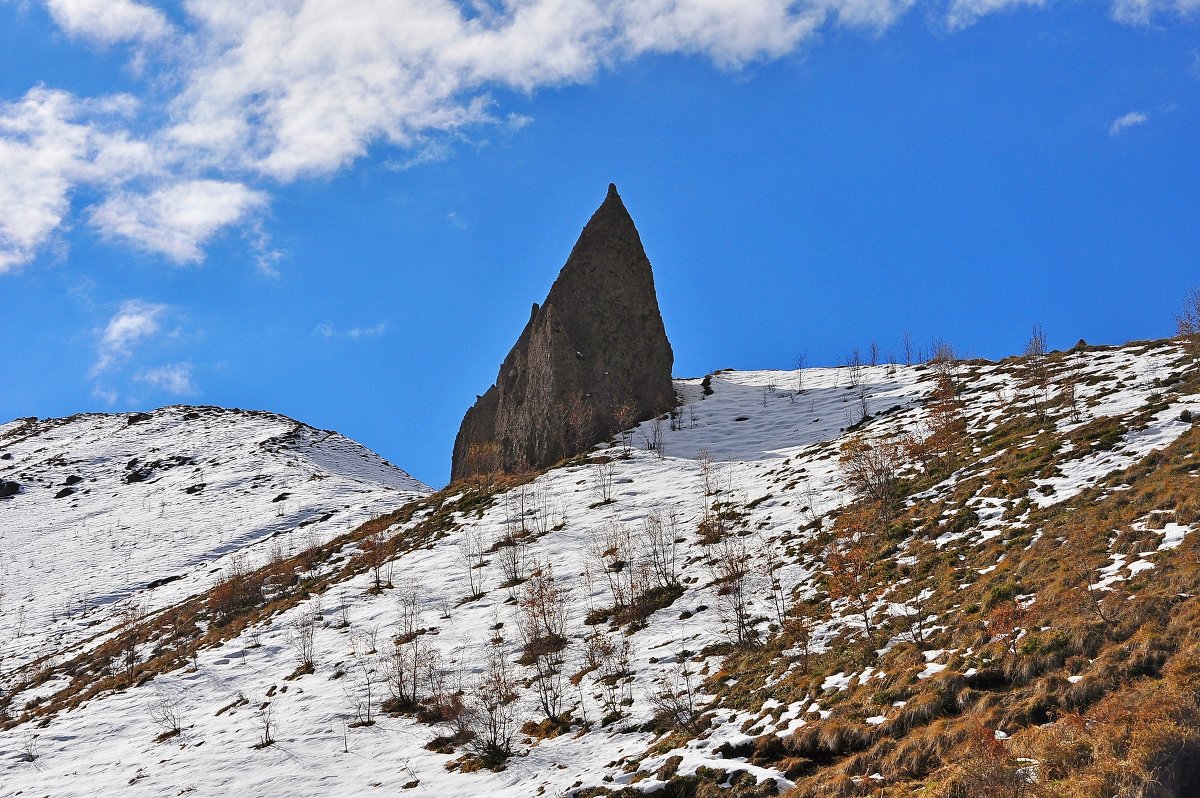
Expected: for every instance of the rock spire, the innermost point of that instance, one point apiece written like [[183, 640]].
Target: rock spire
[[594, 352]]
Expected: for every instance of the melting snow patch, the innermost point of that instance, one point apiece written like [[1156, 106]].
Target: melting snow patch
[[1173, 534]]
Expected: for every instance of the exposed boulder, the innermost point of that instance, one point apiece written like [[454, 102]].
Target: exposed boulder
[[596, 345], [9, 489]]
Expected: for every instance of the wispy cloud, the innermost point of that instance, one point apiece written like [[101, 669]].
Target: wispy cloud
[[328, 330], [134, 323], [1142, 12], [174, 378], [1123, 123], [964, 13]]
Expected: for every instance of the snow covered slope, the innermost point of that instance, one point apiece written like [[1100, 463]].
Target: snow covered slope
[[751, 473], [114, 506]]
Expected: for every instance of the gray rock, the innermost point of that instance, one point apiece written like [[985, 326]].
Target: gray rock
[[595, 344], [9, 489]]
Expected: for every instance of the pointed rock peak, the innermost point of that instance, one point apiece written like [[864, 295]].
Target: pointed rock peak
[[594, 352]]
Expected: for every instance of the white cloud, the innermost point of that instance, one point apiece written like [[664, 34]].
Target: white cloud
[[293, 88], [964, 13], [1141, 12], [109, 21], [175, 378], [278, 90], [134, 323], [1122, 123], [50, 143], [328, 330], [177, 220]]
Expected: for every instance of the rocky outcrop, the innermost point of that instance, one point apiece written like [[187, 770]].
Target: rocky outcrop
[[592, 357]]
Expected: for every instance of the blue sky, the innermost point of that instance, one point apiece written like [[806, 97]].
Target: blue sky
[[314, 208]]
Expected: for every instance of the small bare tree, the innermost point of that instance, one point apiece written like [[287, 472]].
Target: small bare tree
[[266, 726], [166, 710], [654, 441], [732, 571], [542, 622], [1036, 371], [616, 554], [579, 424], [801, 362], [608, 661], [854, 368], [408, 660], [625, 417], [1187, 322], [470, 555], [661, 542], [376, 552], [361, 683], [771, 560], [906, 345], [851, 567], [131, 613], [301, 636], [603, 474]]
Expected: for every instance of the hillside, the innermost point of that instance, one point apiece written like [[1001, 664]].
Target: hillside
[[151, 506], [955, 578]]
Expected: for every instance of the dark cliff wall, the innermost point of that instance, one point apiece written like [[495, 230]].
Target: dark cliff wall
[[595, 344]]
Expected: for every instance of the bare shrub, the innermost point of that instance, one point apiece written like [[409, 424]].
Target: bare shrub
[[482, 459], [301, 636], [851, 566], [603, 473], [542, 622], [512, 555], [654, 440], [609, 662], [166, 710], [239, 589], [130, 614], [579, 426], [409, 660], [988, 770], [625, 417], [872, 470], [490, 714], [675, 702], [1187, 321], [661, 542], [771, 560], [854, 368], [377, 552]]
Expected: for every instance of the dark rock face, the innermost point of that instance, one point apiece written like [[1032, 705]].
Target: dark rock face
[[9, 489], [596, 344]]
